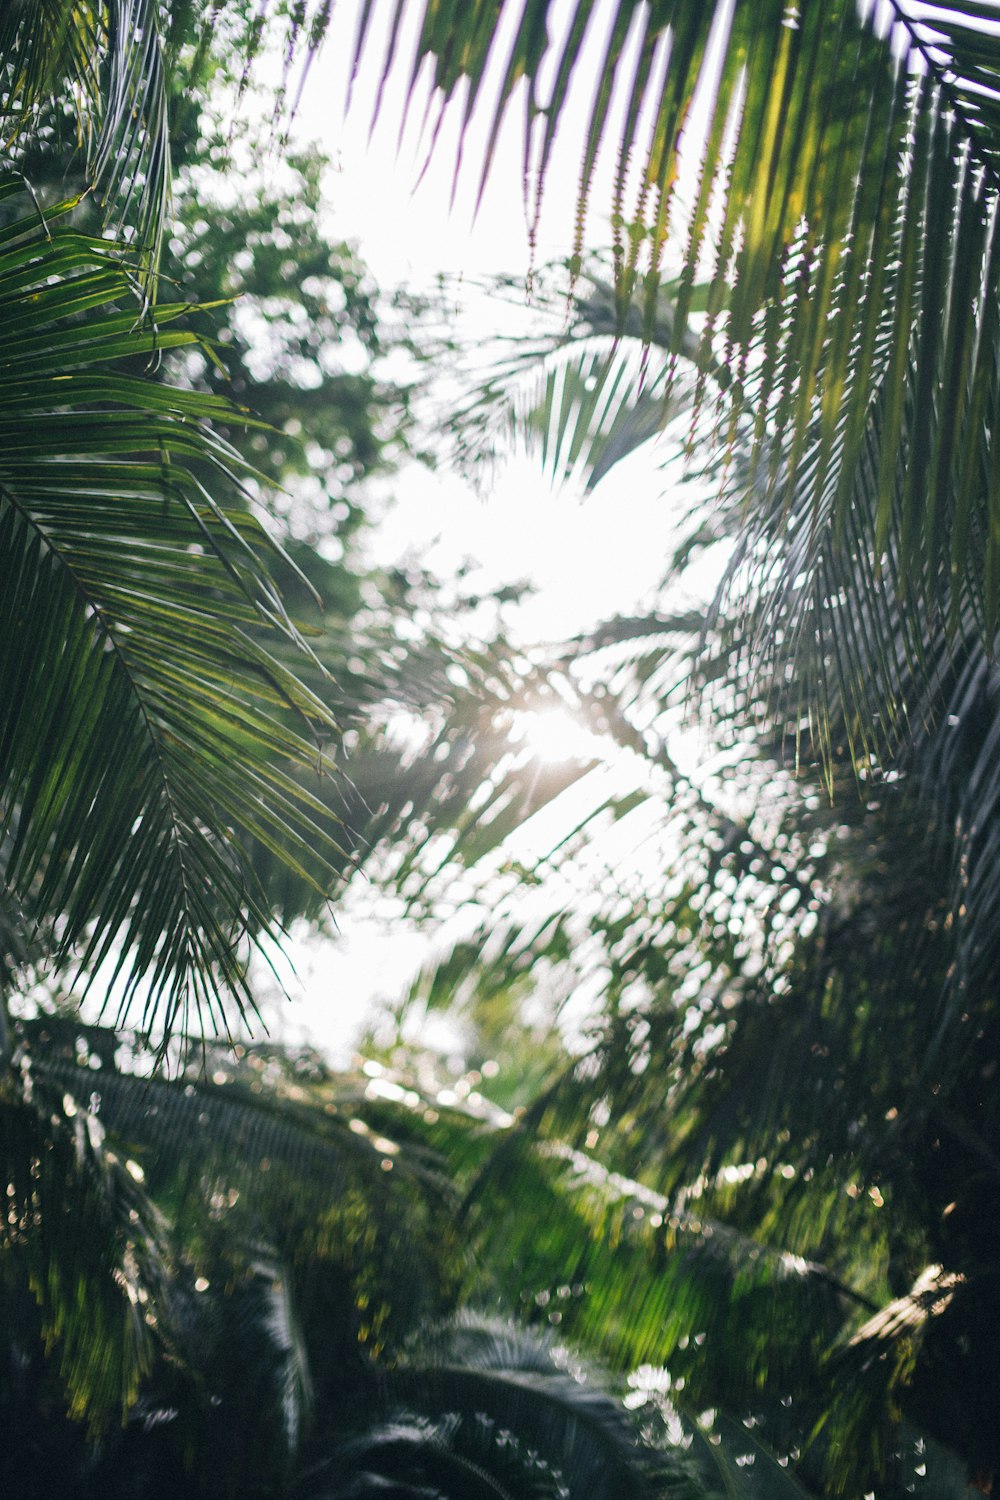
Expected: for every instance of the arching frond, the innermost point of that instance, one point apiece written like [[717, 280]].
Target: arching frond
[[416, 1458], [483, 1392], [827, 178], [577, 385], [517, 1384], [148, 731]]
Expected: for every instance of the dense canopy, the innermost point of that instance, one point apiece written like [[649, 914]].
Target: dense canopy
[[716, 1109]]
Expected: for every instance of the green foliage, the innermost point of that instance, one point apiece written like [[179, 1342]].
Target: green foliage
[[829, 184], [771, 1160], [776, 1124], [108, 61], [92, 1289], [137, 613], [291, 1301]]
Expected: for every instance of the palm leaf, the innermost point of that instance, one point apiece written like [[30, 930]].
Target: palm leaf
[[486, 1393], [576, 385], [230, 1406], [136, 614], [108, 59], [584, 1434], [275, 1158], [737, 1458], [832, 182], [453, 796], [414, 1458]]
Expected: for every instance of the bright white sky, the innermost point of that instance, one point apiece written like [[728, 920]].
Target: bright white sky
[[587, 558]]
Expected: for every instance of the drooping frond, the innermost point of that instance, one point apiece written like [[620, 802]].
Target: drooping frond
[[272, 1157], [417, 1458], [580, 384], [814, 627], [514, 1380], [104, 59], [830, 179], [479, 1403], [148, 732], [236, 1390]]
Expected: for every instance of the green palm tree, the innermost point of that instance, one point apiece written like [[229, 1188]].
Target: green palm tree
[[852, 345], [291, 1303], [771, 1169], [156, 734], [134, 607], [161, 788], [151, 729], [804, 198]]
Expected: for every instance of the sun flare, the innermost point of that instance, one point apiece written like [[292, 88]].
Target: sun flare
[[554, 734]]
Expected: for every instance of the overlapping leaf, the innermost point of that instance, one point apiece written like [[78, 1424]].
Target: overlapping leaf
[[107, 58], [576, 384], [830, 180], [270, 1158], [482, 1403], [147, 732]]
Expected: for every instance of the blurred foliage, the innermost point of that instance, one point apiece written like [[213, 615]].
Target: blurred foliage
[[715, 1095], [293, 1262]]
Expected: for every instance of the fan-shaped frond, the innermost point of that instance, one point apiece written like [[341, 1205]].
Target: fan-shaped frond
[[575, 385]]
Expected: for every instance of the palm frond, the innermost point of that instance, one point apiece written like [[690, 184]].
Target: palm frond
[[136, 614], [237, 1389], [464, 784], [738, 1459], [578, 386], [498, 1396], [270, 1157], [853, 672], [831, 179], [107, 58], [417, 1458]]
